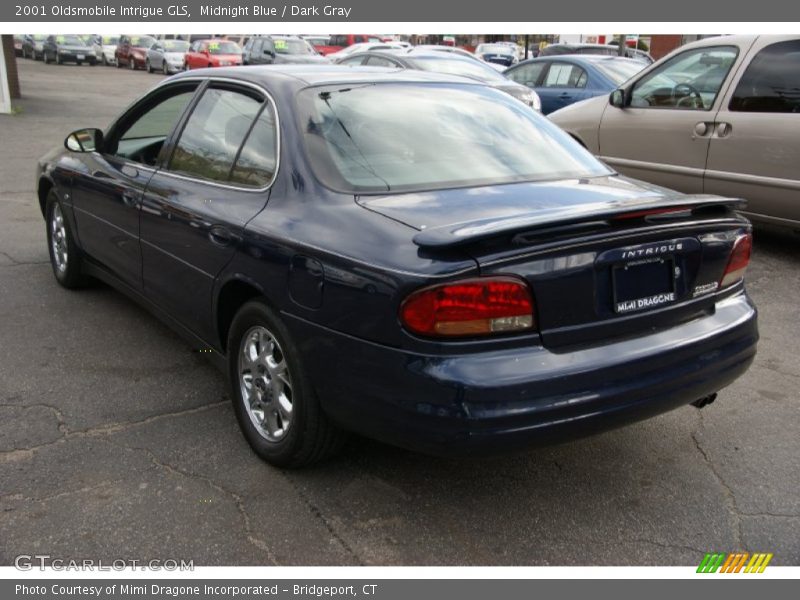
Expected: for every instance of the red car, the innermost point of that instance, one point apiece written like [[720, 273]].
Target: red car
[[341, 41], [132, 50], [212, 53]]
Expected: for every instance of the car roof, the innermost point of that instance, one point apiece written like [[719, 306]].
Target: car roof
[[322, 74], [587, 58]]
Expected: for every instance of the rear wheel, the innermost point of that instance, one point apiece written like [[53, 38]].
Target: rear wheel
[[274, 401], [65, 257]]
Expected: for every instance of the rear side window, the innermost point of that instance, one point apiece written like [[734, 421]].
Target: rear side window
[[230, 137], [771, 82], [563, 75]]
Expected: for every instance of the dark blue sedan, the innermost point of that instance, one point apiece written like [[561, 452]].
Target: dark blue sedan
[[410, 256], [563, 80]]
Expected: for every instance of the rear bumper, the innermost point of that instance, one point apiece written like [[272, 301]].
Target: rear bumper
[[501, 400]]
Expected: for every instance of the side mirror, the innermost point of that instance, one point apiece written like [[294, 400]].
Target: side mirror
[[617, 98], [84, 140]]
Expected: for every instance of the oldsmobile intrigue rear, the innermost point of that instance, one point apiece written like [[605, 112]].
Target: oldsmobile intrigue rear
[[411, 256]]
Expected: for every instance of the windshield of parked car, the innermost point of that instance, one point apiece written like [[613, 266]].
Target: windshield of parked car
[[451, 65], [175, 46], [223, 48], [495, 49], [110, 40], [39, 37], [619, 70], [69, 40], [403, 137], [293, 47], [142, 41]]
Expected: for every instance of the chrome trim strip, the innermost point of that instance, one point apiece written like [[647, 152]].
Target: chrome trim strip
[[790, 184], [651, 166]]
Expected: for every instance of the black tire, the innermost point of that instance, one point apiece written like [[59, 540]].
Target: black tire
[[148, 66], [58, 58], [131, 63], [165, 67], [79, 62], [71, 276], [118, 63], [311, 437], [186, 66], [105, 60]]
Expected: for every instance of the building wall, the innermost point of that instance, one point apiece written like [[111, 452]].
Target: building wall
[[661, 45], [11, 65]]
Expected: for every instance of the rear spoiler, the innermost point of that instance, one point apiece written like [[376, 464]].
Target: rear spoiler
[[463, 233]]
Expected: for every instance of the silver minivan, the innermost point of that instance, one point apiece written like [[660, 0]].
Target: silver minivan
[[718, 116]]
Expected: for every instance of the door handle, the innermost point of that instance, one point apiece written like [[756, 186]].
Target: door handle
[[221, 236], [565, 95], [702, 129], [723, 129], [131, 200]]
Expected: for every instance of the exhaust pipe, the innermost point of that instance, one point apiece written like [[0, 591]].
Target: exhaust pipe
[[705, 400]]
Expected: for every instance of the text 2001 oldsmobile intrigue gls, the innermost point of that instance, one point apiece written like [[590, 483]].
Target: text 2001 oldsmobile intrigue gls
[[413, 257]]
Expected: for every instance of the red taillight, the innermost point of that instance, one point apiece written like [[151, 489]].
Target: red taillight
[[738, 261], [476, 306]]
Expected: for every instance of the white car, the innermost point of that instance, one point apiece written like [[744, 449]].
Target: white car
[[364, 47], [104, 48]]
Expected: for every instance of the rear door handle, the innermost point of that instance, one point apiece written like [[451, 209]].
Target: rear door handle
[[129, 199]]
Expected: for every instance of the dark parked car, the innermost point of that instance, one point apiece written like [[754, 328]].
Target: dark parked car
[[33, 46], [562, 80], [411, 256], [447, 63], [601, 49], [131, 51], [68, 48], [280, 50]]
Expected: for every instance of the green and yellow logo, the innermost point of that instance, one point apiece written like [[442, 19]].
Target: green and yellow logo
[[714, 562]]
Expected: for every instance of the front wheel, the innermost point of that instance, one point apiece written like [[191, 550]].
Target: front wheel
[[148, 66], [131, 63], [65, 257], [274, 401]]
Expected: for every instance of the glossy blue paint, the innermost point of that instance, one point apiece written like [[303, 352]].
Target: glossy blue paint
[[558, 95], [337, 267]]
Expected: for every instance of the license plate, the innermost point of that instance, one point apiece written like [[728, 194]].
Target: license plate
[[81, 56], [643, 284]]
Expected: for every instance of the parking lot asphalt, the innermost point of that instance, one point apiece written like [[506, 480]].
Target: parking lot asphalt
[[117, 440]]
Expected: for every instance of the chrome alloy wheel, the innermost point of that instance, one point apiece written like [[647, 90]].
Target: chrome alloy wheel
[[58, 238], [265, 383]]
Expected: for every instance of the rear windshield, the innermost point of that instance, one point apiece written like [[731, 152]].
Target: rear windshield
[[619, 70], [414, 137], [466, 67]]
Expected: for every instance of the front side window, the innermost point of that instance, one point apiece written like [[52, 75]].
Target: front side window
[[393, 137], [771, 82], [688, 81], [527, 74], [140, 137], [227, 138]]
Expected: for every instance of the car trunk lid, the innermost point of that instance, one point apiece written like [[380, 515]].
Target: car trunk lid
[[604, 258]]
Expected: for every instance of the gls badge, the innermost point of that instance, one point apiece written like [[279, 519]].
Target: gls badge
[[173, 10]]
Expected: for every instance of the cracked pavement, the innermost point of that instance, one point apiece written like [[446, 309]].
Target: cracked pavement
[[118, 441]]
